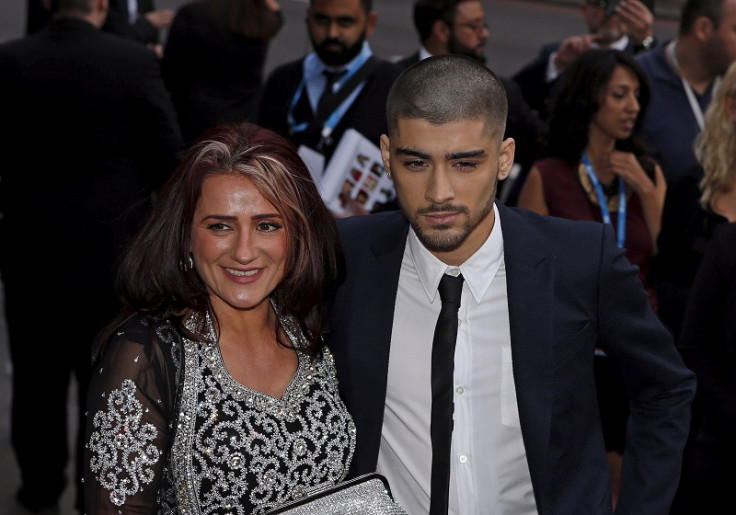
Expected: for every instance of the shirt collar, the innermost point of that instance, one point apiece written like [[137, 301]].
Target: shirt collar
[[423, 53], [620, 44], [478, 271]]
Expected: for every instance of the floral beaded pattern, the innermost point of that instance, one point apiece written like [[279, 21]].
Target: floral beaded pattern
[[233, 450], [121, 445]]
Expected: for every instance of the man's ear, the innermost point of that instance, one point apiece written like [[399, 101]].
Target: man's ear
[[385, 154], [371, 23], [703, 28], [441, 31], [506, 157]]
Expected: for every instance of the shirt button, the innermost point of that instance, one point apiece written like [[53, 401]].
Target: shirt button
[[460, 390], [463, 458]]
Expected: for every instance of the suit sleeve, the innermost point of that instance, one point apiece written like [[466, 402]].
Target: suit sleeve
[[660, 388], [163, 140], [532, 79]]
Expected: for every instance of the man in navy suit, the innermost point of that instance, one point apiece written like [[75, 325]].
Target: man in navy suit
[[540, 294], [90, 134]]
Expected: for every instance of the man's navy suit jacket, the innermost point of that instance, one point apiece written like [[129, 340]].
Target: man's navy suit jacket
[[570, 290]]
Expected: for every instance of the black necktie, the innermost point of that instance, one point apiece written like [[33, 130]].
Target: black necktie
[[443, 365], [332, 77]]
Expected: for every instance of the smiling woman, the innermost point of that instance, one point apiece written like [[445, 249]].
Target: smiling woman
[[214, 386]]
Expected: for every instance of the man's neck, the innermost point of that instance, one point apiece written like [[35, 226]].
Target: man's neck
[[689, 64]]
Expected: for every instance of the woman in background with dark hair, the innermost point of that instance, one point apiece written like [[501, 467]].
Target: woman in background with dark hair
[[595, 170], [214, 393]]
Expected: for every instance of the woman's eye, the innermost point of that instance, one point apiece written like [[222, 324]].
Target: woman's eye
[[218, 226], [268, 226]]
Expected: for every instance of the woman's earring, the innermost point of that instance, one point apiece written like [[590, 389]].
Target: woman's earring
[[188, 265]]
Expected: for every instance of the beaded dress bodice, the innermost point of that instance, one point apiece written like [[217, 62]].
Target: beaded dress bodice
[[230, 449]]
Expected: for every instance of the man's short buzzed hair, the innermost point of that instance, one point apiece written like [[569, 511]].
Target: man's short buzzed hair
[[448, 88]]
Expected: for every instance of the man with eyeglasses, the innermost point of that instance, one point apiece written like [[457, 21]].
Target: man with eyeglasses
[[621, 24], [460, 27]]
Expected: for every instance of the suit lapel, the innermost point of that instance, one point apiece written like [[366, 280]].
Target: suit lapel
[[530, 284], [369, 326]]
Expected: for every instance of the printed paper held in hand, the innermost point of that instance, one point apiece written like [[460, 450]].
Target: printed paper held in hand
[[355, 166]]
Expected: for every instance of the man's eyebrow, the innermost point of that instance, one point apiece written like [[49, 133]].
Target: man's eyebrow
[[467, 154], [411, 152]]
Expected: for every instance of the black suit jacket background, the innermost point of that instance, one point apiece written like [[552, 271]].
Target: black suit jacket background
[[90, 133], [367, 114]]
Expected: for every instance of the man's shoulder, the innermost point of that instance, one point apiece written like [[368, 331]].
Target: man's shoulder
[[407, 61], [542, 56], [550, 228], [386, 70], [655, 65], [287, 71], [368, 227]]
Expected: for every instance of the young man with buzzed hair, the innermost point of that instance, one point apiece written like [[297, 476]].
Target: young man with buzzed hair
[[537, 296]]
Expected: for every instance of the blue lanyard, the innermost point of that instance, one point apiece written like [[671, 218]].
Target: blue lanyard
[[334, 118], [603, 201]]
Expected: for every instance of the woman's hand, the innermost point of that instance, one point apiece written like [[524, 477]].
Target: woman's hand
[[651, 193]]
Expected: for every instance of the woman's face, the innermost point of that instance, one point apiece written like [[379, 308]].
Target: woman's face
[[238, 243], [619, 105]]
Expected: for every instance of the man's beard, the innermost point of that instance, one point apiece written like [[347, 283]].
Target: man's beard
[[455, 47], [337, 57], [441, 240]]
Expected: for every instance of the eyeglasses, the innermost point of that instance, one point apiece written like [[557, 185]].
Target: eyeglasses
[[477, 26]]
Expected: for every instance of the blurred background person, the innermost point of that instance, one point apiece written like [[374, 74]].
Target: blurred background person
[[38, 13], [597, 171], [700, 199], [684, 74], [708, 346], [218, 354], [140, 21], [93, 134], [622, 25], [338, 31], [213, 61]]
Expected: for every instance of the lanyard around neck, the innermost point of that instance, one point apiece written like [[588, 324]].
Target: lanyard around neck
[[603, 201], [334, 118], [694, 104]]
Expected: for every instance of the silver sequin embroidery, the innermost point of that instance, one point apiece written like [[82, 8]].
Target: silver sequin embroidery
[[122, 452], [235, 451]]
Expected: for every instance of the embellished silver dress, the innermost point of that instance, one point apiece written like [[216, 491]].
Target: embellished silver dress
[[169, 430]]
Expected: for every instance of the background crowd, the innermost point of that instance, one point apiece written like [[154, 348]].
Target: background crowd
[[611, 125]]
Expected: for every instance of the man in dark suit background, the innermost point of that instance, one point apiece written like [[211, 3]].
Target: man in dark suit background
[[339, 32], [624, 25], [140, 21], [459, 27], [90, 133], [540, 294]]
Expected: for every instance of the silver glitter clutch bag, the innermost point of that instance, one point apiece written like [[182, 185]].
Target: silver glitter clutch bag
[[368, 494]]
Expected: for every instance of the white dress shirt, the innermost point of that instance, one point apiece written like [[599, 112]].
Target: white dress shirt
[[489, 471]]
